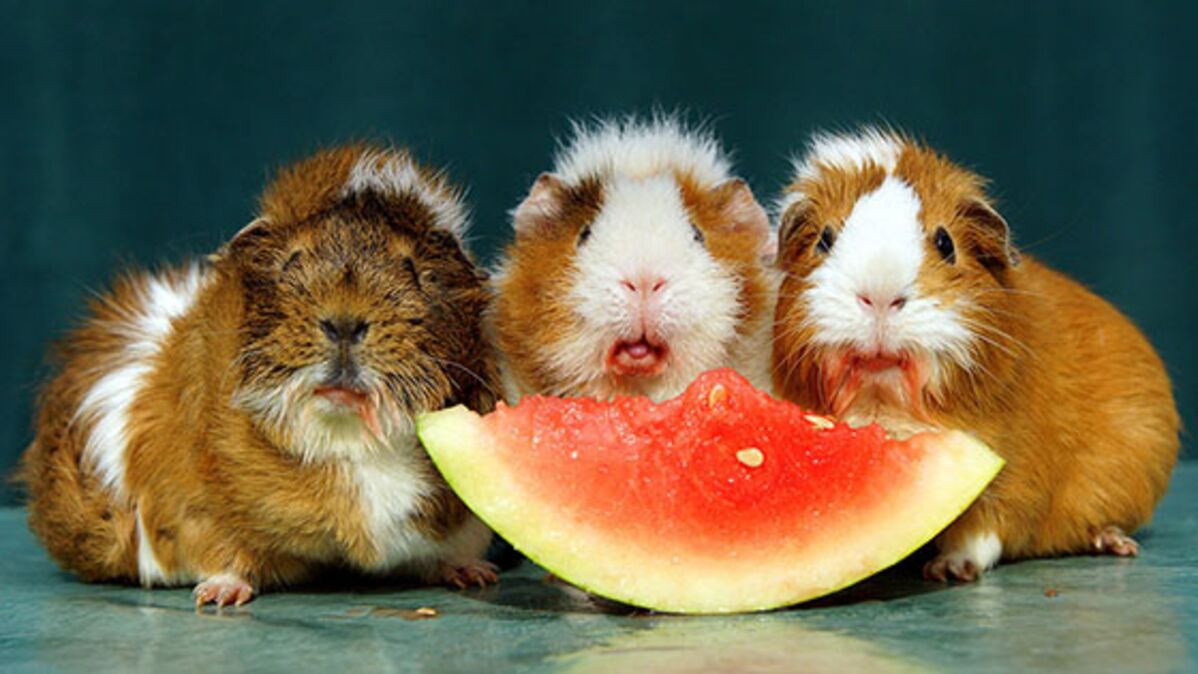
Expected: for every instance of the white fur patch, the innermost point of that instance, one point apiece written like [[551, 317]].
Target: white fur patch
[[390, 485], [847, 151], [395, 174], [162, 299], [149, 571], [637, 148], [644, 231], [850, 151], [878, 256], [984, 550], [881, 243]]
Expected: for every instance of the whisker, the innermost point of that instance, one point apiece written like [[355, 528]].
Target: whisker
[[477, 377], [1009, 291]]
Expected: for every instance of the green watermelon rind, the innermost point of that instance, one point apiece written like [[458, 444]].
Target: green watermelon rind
[[955, 472]]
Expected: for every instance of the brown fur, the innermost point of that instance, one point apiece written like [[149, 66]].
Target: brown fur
[[220, 489], [1064, 387], [531, 308], [733, 246]]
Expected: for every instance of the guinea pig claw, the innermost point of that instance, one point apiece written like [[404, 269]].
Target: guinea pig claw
[[488, 574], [1112, 541], [944, 568], [223, 590], [935, 570], [477, 573]]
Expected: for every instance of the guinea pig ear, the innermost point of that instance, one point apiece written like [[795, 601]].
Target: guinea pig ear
[[743, 213], [541, 204], [794, 221], [995, 230], [255, 231]]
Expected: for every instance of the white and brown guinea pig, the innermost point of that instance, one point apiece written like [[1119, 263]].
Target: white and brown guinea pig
[[904, 302], [242, 423], [637, 264]]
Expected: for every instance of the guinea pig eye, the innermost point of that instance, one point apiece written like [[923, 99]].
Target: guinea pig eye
[[429, 277], [292, 260], [697, 234], [410, 267], [944, 245], [826, 239], [583, 235]]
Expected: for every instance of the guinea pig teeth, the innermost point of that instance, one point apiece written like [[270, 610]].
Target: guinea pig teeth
[[820, 422]]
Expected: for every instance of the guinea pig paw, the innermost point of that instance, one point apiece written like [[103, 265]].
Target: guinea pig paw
[[1113, 541], [946, 567], [462, 576], [223, 589]]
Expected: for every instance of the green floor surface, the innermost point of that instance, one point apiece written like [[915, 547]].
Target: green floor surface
[[1079, 614]]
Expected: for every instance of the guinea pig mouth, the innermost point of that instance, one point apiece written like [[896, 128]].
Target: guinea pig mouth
[[348, 398], [352, 401], [878, 362], [640, 358], [899, 378]]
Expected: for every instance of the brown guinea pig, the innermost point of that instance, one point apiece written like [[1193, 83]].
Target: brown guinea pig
[[637, 265], [904, 302], [243, 422]]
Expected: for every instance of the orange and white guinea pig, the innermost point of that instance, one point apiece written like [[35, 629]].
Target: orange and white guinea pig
[[244, 422], [637, 264], [904, 302]]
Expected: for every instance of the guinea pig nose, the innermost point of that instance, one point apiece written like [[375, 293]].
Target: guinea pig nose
[[644, 285], [344, 330], [870, 302]]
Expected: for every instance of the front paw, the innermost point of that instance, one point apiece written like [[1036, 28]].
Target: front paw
[[461, 576], [1112, 541], [944, 568], [223, 589], [965, 561]]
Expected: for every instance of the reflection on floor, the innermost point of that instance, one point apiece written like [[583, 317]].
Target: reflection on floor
[[1083, 614]]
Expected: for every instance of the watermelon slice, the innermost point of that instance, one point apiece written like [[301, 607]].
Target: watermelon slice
[[720, 500]]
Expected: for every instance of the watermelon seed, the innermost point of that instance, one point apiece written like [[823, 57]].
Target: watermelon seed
[[822, 423], [717, 395], [751, 457]]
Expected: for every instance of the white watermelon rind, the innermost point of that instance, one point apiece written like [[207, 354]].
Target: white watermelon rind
[[956, 468]]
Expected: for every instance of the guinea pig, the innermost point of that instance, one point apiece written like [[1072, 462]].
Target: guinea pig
[[637, 264], [243, 422], [905, 302]]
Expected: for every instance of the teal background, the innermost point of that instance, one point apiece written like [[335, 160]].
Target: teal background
[[140, 132]]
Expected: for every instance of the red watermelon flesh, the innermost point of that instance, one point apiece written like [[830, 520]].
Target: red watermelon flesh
[[722, 499]]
